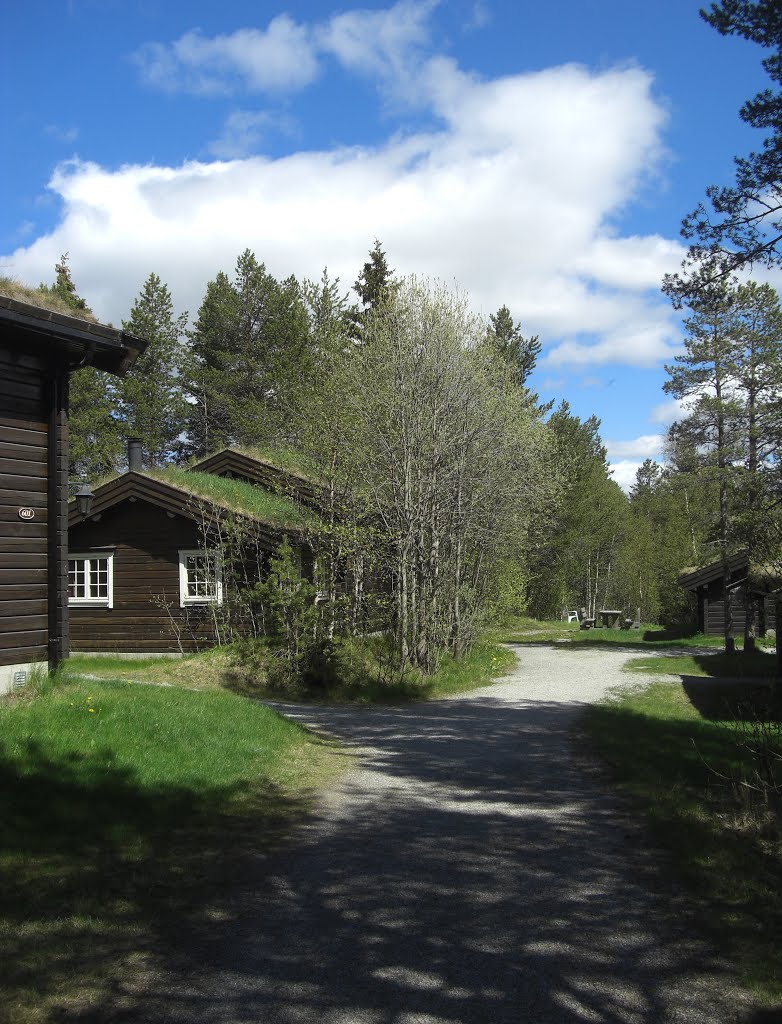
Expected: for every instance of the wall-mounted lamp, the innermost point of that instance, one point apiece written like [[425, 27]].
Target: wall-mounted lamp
[[84, 500]]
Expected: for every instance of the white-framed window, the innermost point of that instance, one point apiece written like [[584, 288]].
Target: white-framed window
[[200, 580], [91, 579]]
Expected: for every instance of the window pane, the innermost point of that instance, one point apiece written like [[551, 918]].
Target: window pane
[[88, 579], [200, 573], [76, 578]]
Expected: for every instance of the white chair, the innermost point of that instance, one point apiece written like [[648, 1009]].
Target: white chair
[[572, 616]]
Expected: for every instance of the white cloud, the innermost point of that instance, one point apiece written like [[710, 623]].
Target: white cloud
[[61, 133], [510, 198], [633, 330], [648, 446], [285, 56], [278, 58], [624, 471], [668, 412], [381, 42], [243, 131], [480, 17]]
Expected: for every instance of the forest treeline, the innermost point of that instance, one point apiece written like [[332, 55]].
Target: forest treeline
[[444, 472]]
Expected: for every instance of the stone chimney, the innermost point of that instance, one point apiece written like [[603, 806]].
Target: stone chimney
[[135, 455]]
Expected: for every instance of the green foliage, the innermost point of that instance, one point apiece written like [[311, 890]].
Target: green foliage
[[152, 404], [125, 810], [64, 289], [301, 657], [679, 767], [375, 280], [250, 359], [574, 564], [520, 353], [741, 224], [96, 442], [665, 533]]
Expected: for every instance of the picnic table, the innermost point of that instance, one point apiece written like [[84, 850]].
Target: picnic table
[[611, 618]]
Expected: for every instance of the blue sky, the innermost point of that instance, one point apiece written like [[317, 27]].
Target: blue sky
[[537, 155]]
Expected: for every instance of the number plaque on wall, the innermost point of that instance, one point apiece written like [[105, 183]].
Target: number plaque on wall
[[27, 513]]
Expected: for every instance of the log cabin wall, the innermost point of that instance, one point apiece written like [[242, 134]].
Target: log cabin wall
[[146, 615], [711, 602], [25, 547]]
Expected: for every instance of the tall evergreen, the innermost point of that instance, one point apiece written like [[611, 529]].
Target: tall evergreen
[[151, 399], [95, 435], [729, 378], [250, 359], [574, 564], [373, 286], [519, 352], [373, 283]]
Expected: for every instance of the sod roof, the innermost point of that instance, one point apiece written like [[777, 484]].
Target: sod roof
[[236, 496], [180, 490]]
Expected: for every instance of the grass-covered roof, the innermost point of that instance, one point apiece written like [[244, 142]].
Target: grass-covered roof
[[42, 297], [236, 496]]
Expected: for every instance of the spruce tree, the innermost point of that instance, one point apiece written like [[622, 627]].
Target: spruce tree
[[519, 352], [250, 359], [95, 435], [151, 399]]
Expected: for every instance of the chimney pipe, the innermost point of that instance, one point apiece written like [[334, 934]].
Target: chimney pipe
[[135, 455]]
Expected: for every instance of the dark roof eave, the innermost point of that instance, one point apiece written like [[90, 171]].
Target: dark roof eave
[[109, 349]]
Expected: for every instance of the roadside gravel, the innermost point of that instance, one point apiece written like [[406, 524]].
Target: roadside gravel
[[470, 867]]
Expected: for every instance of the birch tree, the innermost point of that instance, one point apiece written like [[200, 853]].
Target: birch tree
[[450, 458]]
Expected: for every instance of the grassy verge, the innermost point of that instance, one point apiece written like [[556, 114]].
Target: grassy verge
[[208, 670], [365, 673], [758, 665], [682, 755], [129, 815], [524, 630]]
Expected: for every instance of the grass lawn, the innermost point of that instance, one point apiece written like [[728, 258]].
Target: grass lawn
[[524, 630], [758, 665], [129, 814], [361, 664], [676, 749]]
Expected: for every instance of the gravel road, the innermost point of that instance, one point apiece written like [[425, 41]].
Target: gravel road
[[471, 867]]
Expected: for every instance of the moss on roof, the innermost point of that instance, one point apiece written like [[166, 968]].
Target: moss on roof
[[43, 298], [286, 460], [237, 496]]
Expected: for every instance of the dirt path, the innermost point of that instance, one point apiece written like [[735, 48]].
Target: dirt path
[[470, 869]]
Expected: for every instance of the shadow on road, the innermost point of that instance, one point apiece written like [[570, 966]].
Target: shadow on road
[[471, 871]]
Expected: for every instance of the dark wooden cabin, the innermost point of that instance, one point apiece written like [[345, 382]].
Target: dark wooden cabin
[[39, 349], [753, 587], [144, 565]]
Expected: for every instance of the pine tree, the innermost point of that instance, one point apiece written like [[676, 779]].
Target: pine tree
[[704, 377], [373, 283], [65, 289], [519, 352], [151, 399], [250, 359], [95, 435], [374, 286]]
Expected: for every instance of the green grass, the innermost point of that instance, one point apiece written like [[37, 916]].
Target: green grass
[[129, 814], [758, 665], [479, 667], [673, 748], [525, 630], [207, 670], [237, 495], [365, 675]]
